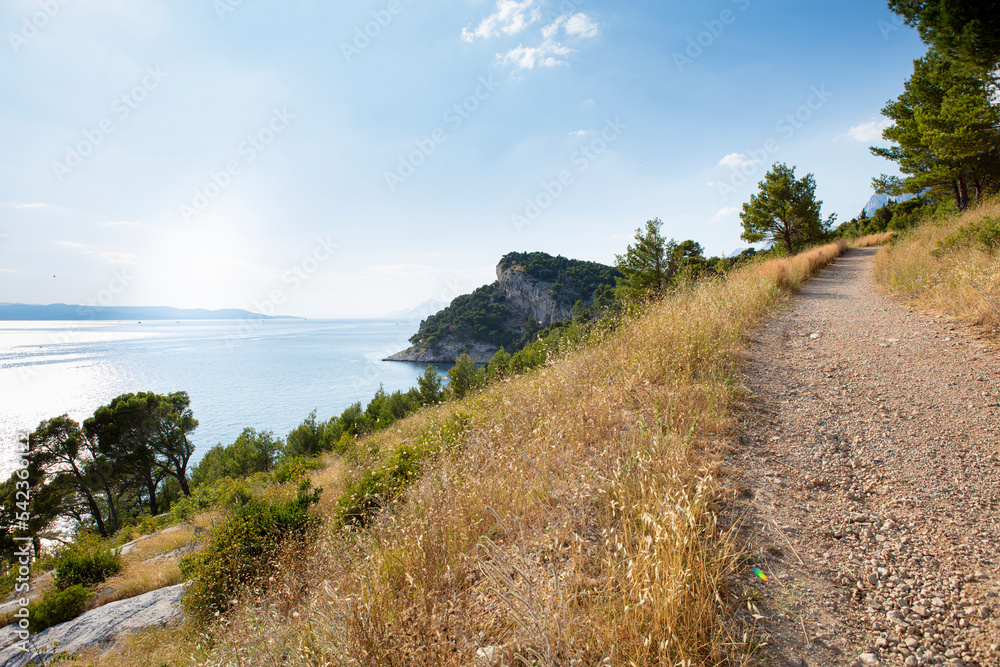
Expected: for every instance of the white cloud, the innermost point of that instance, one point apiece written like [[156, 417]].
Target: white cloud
[[870, 131], [736, 160], [580, 25], [29, 205], [575, 25], [510, 18], [588, 103], [549, 54], [580, 133], [723, 213]]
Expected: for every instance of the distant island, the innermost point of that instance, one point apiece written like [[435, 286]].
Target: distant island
[[532, 291], [62, 312]]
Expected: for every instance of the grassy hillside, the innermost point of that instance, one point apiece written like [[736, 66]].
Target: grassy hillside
[[567, 516], [950, 264]]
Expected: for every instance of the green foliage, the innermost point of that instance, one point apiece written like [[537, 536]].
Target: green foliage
[[431, 385], [58, 606], [945, 133], [306, 439], [86, 563], [292, 469], [653, 264], [571, 280], [222, 493], [243, 552], [785, 210], [983, 235], [967, 31], [499, 366], [464, 377], [484, 316], [895, 216], [378, 486], [253, 451]]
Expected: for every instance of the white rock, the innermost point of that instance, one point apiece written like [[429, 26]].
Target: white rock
[[489, 656], [101, 625]]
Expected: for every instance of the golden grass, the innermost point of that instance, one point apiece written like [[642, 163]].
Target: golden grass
[[963, 283], [577, 522], [156, 647], [871, 239]]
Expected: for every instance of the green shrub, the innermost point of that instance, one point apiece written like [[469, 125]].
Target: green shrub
[[222, 493], [58, 606], [84, 565], [242, 552], [292, 468], [379, 486], [983, 235]]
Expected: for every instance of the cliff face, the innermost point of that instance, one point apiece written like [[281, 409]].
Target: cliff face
[[533, 291], [529, 298]]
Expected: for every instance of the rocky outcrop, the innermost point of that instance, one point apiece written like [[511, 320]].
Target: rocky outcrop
[[97, 627], [530, 298], [445, 352], [533, 291]]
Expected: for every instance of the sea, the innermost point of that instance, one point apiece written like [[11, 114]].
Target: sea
[[265, 374]]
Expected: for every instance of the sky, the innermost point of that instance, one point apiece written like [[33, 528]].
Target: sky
[[329, 159]]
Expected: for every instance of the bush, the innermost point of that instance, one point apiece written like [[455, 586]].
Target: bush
[[378, 486], [84, 565], [293, 468], [58, 606], [243, 551], [983, 235]]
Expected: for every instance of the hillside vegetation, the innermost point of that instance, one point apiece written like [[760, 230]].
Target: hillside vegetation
[[950, 263], [486, 316], [567, 516]]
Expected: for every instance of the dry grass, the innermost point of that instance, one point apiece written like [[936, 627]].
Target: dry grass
[[871, 239], [577, 522], [151, 564], [962, 282]]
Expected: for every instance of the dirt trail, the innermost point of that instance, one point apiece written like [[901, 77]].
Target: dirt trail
[[870, 446]]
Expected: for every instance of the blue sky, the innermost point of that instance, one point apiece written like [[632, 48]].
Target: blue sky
[[333, 159]]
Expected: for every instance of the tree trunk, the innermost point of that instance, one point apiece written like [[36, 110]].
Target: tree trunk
[[786, 236], [182, 480], [154, 508], [977, 187], [112, 508], [95, 511], [963, 192]]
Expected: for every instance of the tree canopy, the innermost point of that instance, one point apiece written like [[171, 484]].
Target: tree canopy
[[967, 31], [945, 134], [785, 210]]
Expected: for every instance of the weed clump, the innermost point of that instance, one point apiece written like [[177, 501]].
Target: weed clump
[[242, 553]]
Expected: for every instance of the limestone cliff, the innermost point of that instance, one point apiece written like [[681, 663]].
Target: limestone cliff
[[530, 298], [533, 291]]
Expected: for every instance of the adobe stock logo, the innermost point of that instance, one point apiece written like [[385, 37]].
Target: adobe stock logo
[[581, 159], [121, 109], [34, 24], [248, 151], [454, 117], [365, 34]]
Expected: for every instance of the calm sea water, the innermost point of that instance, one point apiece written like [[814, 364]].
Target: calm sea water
[[268, 375]]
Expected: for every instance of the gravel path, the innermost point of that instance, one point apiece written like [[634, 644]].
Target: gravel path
[[870, 450]]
